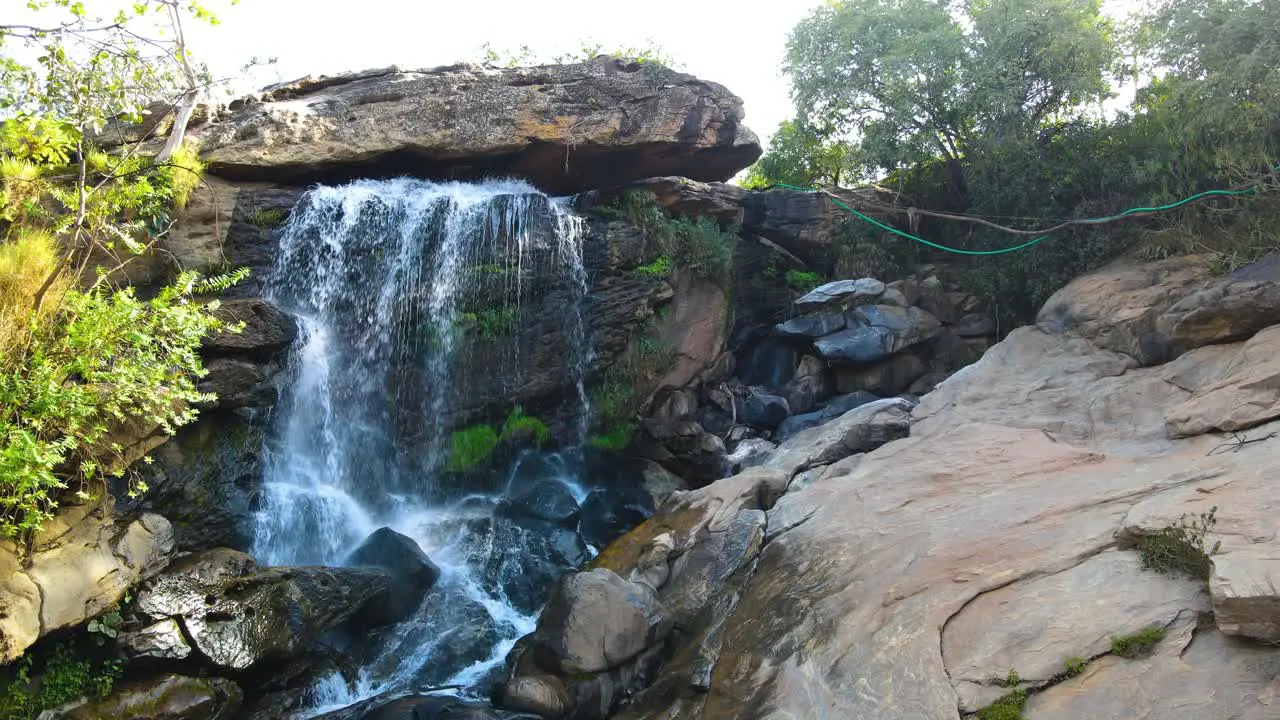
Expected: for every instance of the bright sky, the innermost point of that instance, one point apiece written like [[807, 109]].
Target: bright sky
[[737, 44]]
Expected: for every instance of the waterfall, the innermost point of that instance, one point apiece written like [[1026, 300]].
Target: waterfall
[[413, 297]]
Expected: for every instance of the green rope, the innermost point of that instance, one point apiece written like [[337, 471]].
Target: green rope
[[1033, 241]]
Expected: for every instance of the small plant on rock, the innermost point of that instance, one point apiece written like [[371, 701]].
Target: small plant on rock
[[1139, 644], [518, 423], [1180, 547], [801, 281], [1007, 707], [471, 446], [656, 269], [1074, 667], [1013, 679], [267, 218]]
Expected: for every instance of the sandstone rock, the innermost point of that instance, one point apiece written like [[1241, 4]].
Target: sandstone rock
[[83, 563], [935, 300], [615, 120], [893, 297], [910, 290], [810, 385], [267, 331], [1241, 391], [887, 377], [169, 697], [412, 574], [811, 327], [841, 293], [239, 616], [876, 332], [692, 199], [1118, 307], [860, 430], [1224, 311], [750, 453], [595, 620], [833, 409]]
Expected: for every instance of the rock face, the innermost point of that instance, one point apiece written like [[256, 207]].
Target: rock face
[[412, 573], [567, 128], [238, 616], [169, 697], [908, 580], [82, 563]]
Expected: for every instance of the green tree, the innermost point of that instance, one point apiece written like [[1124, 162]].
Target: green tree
[[800, 155], [915, 79], [85, 365]]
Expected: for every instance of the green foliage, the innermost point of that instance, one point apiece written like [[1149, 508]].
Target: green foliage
[[649, 54], [493, 322], [616, 439], [471, 446], [1007, 707], [1180, 547], [1138, 645], [1074, 666], [66, 672], [700, 245], [659, 268], [614, 398], [267, 218], [802, 281], [802, 156], [517, 424]]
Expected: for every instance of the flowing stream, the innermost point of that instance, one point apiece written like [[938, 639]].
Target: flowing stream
[[410, 295]]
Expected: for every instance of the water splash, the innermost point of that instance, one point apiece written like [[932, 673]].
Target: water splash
[[386, 277]]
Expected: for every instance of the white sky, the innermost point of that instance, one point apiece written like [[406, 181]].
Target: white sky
[[737, 44]]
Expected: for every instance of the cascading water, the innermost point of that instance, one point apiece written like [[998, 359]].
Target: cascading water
[[412, 296]]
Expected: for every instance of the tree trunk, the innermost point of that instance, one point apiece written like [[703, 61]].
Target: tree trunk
[[186, 106]]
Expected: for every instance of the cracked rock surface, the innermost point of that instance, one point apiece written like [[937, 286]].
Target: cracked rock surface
[[905, 577]]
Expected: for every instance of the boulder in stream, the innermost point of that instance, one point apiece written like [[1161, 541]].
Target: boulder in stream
[[412, 574]]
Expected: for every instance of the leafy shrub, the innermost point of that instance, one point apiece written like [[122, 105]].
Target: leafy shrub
[[802, 281], [471, 446], [267, 218], [67, 672], [656, 269], [1180, 547], [492, 322], [517, 423], [700, 245], [26, 262], [1139, 644], [1074, 667], [616, 439]]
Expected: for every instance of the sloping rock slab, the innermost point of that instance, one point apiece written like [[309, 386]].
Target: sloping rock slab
[[860, 430], [1244, 391], [169, 697], [566, 128]]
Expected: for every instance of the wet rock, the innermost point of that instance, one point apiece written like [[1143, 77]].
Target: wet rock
[[765, 411], [412, 574], [887, 377], [267, 331], [547, 500], [750, 453], [239, 616], [169, 697], [770, 362], [419, 708], [608, 513], [455, 628], [160, 641], [876, 332], [841, 293], [811, 327], [203, 480], [547, 551], [383, 122], [237, 384]]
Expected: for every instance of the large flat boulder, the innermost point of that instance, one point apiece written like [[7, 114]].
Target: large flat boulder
[[566, 128]]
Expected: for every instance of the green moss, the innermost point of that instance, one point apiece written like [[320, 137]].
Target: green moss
[[517, 423], [656, 269], [1008, 707], [1180, 547], [493, 322], [803, 281], [616, 440], [471, 446], [267, 218], [1139, 644], [68, 671], [488, 269]]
